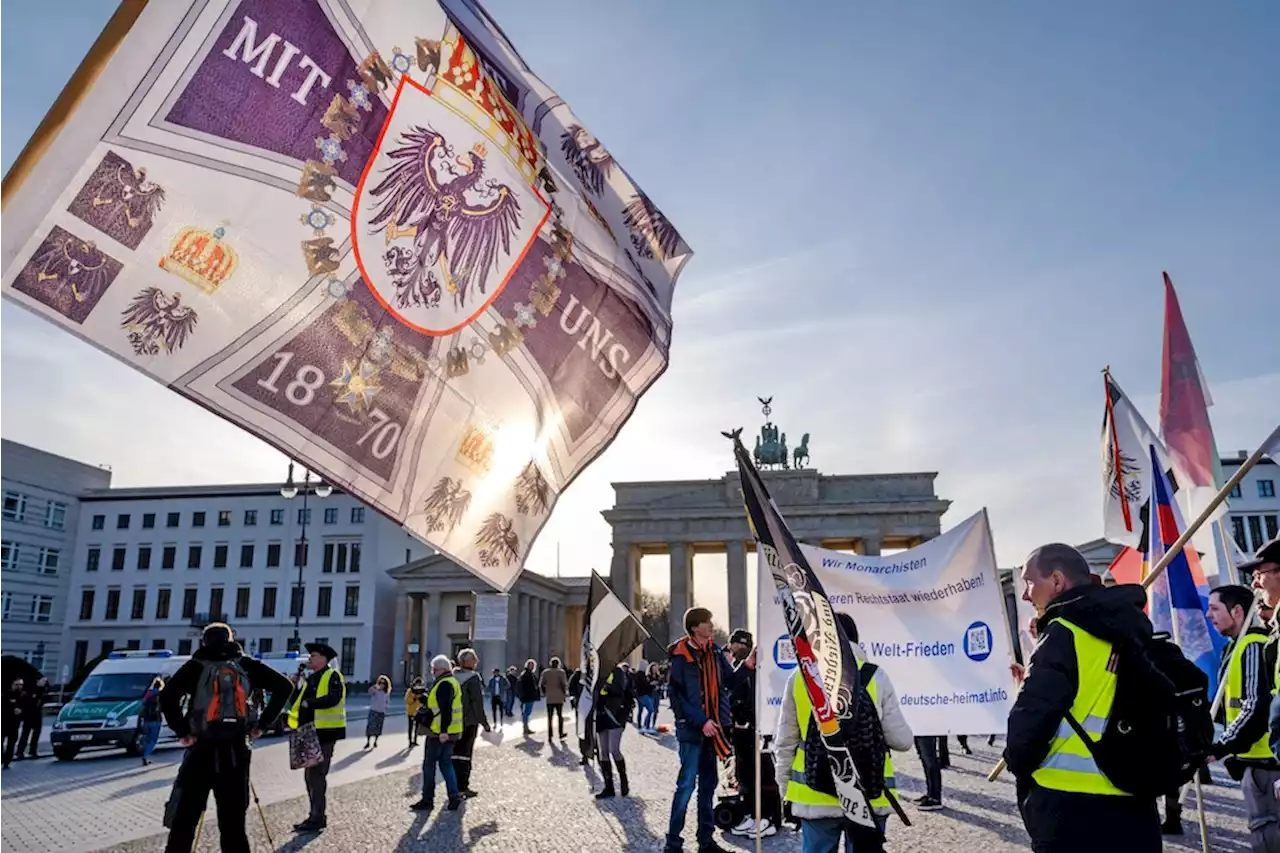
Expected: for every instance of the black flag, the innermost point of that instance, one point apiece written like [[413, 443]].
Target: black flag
[[611, 633]]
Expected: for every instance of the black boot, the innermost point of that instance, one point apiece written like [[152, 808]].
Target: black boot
[[606, 770], [1172, 820], [623, 785]]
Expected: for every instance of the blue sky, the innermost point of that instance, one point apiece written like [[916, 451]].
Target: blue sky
[[922, 227]]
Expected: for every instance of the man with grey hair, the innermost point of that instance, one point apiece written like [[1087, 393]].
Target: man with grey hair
[[473, 717], [444, 728]]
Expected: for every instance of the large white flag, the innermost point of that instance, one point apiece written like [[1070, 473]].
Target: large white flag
[[1126, 481], [367, 234]]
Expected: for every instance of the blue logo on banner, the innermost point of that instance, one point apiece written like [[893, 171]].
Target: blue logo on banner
[[977, 641], [784, 652]]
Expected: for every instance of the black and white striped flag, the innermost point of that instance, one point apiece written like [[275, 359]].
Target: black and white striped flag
[[612, 632]]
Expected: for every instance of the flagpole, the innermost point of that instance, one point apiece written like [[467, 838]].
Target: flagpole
[[82, 80], [759, 837], [1176, 548]]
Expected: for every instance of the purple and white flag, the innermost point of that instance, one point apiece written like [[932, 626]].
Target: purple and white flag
[[368, 234]]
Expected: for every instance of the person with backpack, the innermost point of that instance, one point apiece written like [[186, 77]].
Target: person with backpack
[[150, 718], [321, 700], [802, 767], [1075, 732], [1243, 744], [216, 729]]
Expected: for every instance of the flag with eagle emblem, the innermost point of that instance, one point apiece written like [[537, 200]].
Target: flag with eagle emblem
[[365, 232]]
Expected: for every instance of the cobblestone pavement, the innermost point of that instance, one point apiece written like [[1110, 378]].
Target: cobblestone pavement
[[534, 797]]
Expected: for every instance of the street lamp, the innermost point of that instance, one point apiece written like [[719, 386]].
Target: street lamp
[[289, 491]]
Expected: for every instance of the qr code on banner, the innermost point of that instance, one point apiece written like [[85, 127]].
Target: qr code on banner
[[785, 652], [979, 641]]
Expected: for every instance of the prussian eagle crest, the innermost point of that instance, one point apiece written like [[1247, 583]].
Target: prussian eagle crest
[[157, 322], [588, 159]]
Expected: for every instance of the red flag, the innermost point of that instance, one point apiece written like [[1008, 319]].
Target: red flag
[[1184, 401]]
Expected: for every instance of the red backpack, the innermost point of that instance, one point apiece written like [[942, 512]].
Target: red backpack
[[220, 705]]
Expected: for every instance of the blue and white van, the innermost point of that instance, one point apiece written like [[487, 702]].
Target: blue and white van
[[104, 711]]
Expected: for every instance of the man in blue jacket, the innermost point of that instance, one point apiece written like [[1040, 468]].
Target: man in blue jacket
[[700, 681]]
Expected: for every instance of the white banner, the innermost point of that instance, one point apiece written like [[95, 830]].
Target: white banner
[[932, 617], [489, 621]]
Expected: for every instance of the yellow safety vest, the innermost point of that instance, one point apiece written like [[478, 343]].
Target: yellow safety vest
[[433, 705], [1069, 766], [1235, 691], [326, 718], [797, 790]]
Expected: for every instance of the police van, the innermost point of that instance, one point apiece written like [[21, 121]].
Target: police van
[[104, 711], [287, 664]]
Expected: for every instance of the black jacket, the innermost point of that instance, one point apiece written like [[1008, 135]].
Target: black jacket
[[444, 699], [313, 702], [1113, 614], [185, 681], [528, 690], [472, 698], [614, 701], [33, 699], [12, 710], [742, 697]]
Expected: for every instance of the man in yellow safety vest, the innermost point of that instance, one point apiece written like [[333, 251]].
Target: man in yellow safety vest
[[821, 817], [444, 728], [1068, 804], [321, 699]]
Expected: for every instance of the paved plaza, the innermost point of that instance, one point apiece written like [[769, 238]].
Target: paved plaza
[[533, 797]]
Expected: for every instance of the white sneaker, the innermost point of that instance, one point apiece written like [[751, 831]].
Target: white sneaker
[[766, 828], [748, 825]]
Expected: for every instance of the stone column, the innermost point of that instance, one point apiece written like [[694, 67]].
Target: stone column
[[557, 631], [399, 652], [736, 558], [544, 631], [871, 546], [435, 622], [524, 643], [512, 648], [420, 607], [624, 571], [681, 588]]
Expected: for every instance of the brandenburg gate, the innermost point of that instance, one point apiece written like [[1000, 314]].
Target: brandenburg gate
[[863, 513]]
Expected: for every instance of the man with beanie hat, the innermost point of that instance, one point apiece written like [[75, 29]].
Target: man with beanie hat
[[217, 756]]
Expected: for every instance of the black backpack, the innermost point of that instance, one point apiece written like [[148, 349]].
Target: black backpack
[[865, 738], [1159, 732]]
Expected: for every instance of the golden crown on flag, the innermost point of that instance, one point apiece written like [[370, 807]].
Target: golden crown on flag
[[481, 150], [201, 258]]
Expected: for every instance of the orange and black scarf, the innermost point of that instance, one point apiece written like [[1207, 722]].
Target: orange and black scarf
[[708, 664]]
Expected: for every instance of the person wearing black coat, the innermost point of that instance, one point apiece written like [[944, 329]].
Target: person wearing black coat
[[33, 699], [12, 719], [529, 693], [612, 709], [1060, 585], [217, 761]]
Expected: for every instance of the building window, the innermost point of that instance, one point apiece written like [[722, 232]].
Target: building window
[[242, 602], [1272, 522], [304, 516], [324, 601], [163, 594], [184, 647], [357, 515], [197, 519], [189, 602], [15, 507], [55, 515], [107, 647], [48, 560], [139, 608], [462, 613], [122, 521], [300, 554], [86, 604], [9, 556], [348, 658], [1235, 491], [194, 553], [41, 608], [6, 604], [246, 556], [1266, 488], [133, 645], [169, 556], [215, 604], [157, 645], [113, 604], [98, 522], [117, 558], [250, 518], [1237, 532], [81, 656], [265, 645], [144, 557], [352, 607], [341, 557], [331, 515], [1255, 532], [296, 600], [268, 602], [224, 518], [273, 555], [353, 561], [219, 556], [277, 517], [173, 519], [148, 522], [91, 559]]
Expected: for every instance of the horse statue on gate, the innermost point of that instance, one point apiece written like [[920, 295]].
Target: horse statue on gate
[[800, 456]]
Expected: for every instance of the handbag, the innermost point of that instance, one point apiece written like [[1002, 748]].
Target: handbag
[[304, 747]]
